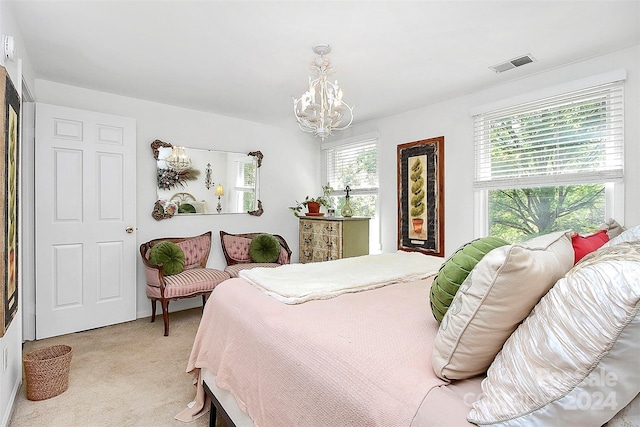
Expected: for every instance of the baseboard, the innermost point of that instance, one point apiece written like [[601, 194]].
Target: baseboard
[[12, 400], [183, 304]]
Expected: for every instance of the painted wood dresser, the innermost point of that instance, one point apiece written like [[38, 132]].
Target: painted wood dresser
[[329, 238]]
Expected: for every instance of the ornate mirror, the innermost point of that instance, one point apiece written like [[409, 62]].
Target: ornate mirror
[[197, 181]]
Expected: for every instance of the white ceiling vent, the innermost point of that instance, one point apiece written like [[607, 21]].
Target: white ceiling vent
[[513, 63]]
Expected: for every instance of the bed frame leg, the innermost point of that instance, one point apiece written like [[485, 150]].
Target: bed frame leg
[[212, 416], [215, 407]]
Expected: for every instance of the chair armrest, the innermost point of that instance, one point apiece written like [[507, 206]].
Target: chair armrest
[[153, 274]]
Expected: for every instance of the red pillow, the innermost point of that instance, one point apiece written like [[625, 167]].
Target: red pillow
[[583, 245]]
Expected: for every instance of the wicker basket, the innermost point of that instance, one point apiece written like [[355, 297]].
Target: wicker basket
[[47, 371]]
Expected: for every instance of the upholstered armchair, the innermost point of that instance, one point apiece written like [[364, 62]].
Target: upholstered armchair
[[235, 248], [188, 281]]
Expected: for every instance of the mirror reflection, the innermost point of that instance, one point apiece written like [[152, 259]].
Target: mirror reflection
[[198, 181]]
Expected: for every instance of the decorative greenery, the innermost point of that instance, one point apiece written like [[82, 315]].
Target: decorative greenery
[[523, 213], [324, 200], [170, 178], [417, 189]]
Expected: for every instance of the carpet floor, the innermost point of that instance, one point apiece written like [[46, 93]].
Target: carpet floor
[[128, 374]]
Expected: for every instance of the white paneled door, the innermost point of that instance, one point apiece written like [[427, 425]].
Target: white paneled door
[[85, 220]]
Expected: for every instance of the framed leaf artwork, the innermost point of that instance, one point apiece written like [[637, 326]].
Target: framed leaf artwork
[[421, 196], [9, 122]]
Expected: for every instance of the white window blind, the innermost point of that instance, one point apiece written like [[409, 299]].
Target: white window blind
[[574, 138], [354, 164]]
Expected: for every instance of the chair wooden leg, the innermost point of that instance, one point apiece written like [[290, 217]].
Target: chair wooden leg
[[204, 301], [153, 310], [165, 316]]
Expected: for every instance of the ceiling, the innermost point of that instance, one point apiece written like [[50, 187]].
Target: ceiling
[[248, 59]]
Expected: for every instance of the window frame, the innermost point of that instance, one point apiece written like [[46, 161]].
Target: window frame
[[614, 190], [374, 223]]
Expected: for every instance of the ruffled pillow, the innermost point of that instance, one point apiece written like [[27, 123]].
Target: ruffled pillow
[[574, 360], [630, 235], [264, 248], [169, 255]]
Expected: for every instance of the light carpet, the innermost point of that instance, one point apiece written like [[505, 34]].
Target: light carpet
[[122, 375]]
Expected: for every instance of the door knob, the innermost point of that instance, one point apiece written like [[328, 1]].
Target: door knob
[[129, 229]]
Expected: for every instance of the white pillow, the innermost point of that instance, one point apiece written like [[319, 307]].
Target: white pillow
[[574, 360], [630, 235], [497, 295], [201, 207]]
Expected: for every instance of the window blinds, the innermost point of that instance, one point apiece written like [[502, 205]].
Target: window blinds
[[354, 164], [574, 138]]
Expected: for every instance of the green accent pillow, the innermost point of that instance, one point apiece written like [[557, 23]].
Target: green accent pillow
[[186, 208], [169, 255], [264, 248], [455, 270]]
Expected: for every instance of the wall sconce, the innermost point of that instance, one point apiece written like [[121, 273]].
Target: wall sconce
[[219, 192], [207, 178], [9, 48]]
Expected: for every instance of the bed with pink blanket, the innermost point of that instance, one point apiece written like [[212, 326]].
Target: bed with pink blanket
[[531, 337], [362, 358]]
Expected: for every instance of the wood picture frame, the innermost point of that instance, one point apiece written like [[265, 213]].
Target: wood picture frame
[[9, 163], [421, 196]]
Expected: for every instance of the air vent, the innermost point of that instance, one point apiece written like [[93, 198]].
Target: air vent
[[513, 63]]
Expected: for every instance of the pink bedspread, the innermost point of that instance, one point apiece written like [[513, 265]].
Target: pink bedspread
[[360, 359]]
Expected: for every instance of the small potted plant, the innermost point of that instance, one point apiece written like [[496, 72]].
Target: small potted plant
[[313, 204]]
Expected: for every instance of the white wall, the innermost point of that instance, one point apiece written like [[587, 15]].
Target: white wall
[[11, 343], [290, 169], [453, 120]]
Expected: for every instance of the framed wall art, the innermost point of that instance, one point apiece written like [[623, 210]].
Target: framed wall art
[[9, 123], [421, 196]]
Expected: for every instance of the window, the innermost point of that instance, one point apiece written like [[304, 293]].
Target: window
[[355, 163], [551, 164], [245, 185]]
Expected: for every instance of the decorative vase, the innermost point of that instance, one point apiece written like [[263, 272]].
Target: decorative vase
[[313, 207], [346, 209], [417, 225]]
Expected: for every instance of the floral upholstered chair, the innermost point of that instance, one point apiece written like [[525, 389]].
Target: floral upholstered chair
[[236, 250], [175, 268]]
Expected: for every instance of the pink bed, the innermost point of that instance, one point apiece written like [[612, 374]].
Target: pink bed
[[360, 359]]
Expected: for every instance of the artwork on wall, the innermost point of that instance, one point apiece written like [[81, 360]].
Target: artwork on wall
[[421, 196], [9, 122]]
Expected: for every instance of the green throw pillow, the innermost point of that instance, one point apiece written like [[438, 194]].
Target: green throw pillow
[[169, 255], [264, 248], [186, 208], [453, 272]]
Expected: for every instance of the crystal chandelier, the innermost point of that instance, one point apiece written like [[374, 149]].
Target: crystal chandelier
[[321, 110], [178, 159]]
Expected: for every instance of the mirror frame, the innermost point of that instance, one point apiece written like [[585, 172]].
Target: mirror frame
[[158, 212]]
